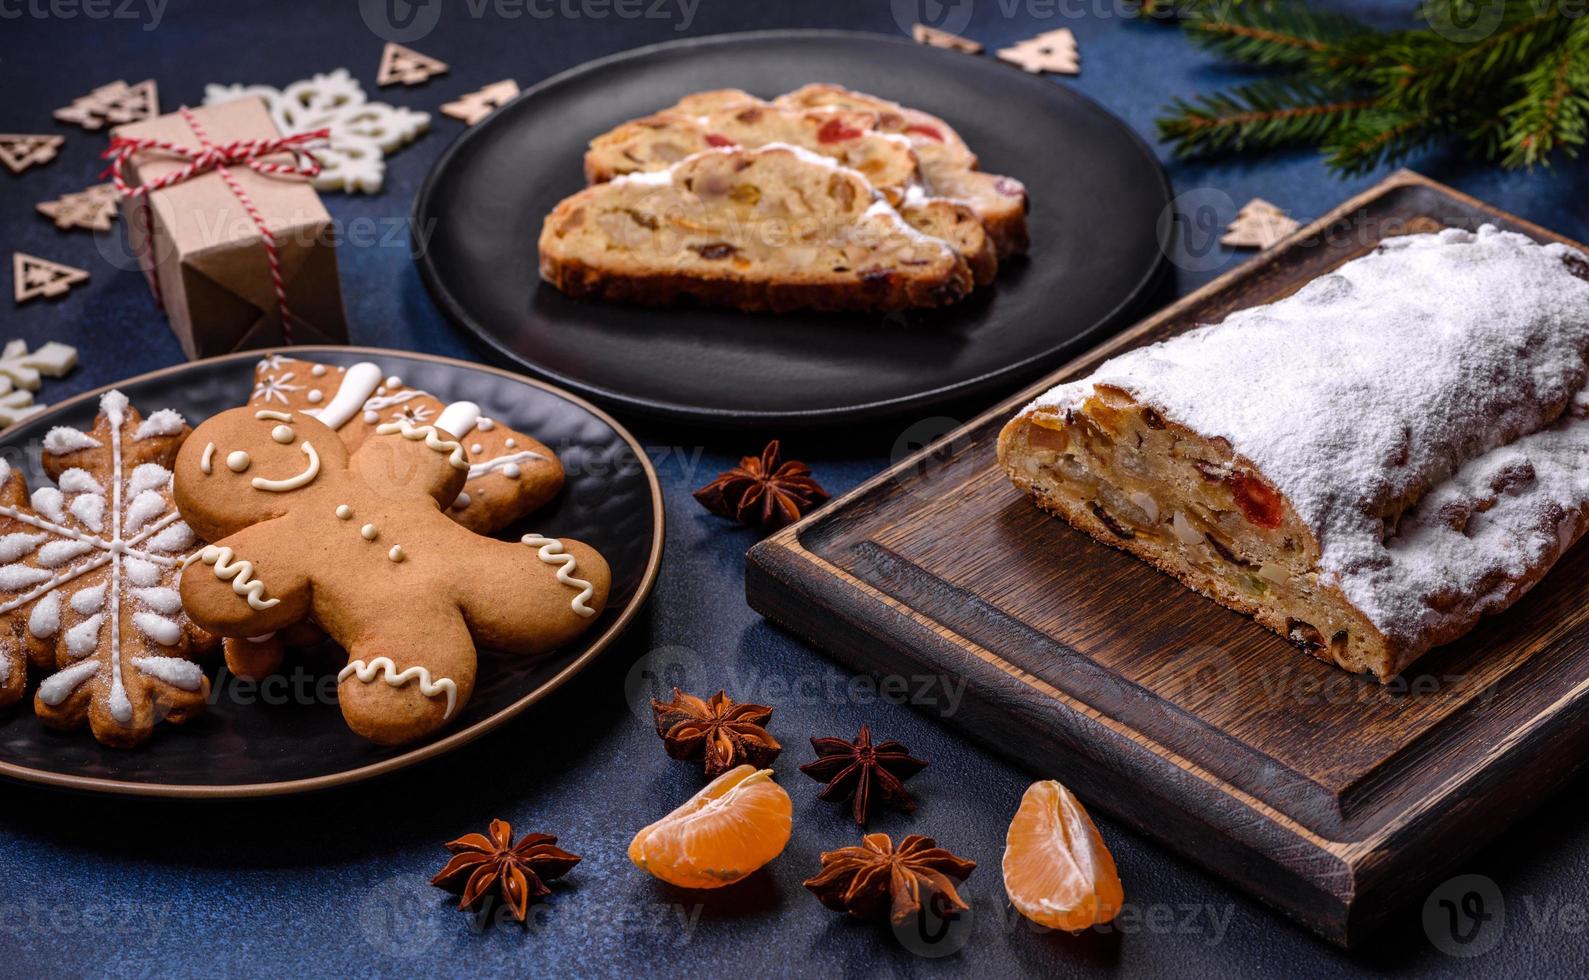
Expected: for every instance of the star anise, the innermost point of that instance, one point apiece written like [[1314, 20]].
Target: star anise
[[518, 872], [762, 490], [876, 880], [853, 769], [723, 732]]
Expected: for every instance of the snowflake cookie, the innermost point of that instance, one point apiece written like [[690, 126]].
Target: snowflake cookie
[[89, 571], [362, 132]]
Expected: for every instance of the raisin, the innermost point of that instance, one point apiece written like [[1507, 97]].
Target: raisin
[[1153, 419], [1261, 505], [1108, 521], [641, 219], [1305, 635], [749, 115], [834, 131], [1225, 552], [714, 250], [879, 279], [1577, 266]]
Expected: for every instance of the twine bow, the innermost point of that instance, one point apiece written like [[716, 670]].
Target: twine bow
[[212, 157]]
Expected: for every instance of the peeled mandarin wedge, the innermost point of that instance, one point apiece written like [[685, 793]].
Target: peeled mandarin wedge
[[738, 823], [1057, 871]]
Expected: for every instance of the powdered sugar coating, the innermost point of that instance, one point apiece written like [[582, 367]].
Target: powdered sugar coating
[[1418, 372]]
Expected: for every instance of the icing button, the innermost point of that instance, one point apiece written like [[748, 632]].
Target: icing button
[[237, 461], [344, 512], [315, 397], [368, 531], [396, 554], [282, 434]]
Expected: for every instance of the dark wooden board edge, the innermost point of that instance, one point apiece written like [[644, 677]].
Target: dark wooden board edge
[[1342, 890]]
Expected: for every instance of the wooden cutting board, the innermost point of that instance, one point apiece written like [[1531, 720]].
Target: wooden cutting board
[[1323, 793]]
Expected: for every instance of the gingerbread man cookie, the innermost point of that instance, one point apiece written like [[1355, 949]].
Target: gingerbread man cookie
[[88, 580], [510, 474], [358, 541]]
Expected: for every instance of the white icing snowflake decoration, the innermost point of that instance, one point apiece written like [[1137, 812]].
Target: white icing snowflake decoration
[[121, 525], [274, 387], [362, 132]]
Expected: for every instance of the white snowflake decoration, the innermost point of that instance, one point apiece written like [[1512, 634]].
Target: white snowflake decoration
[[81, 526], [275, 387], [362, 132]]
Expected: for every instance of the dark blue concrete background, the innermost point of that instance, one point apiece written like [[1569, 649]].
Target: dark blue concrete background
[[335, 884]]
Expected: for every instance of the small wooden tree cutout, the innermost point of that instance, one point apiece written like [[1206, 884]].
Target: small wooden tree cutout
[[934, 38], [1054, 51], [400, 64], [19, 151], [117, 104], [476, 106], [92, 209], [1258, 224], [34, 277]]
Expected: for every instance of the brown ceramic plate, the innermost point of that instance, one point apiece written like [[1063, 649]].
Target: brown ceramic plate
[[287, 736]]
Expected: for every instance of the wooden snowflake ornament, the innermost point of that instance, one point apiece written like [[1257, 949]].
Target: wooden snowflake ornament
[[19, 152], [934, 38], [400, 64], [33, 277], [92, 209], [476, 106], [1054, 51], [1258, 224], [362, 132], [89, 570], [115, 104]]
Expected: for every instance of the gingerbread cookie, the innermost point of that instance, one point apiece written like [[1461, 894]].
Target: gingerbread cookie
[[88, 580], [510, 475], [359, 542]]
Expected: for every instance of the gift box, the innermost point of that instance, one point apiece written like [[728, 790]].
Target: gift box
[[237, 247]]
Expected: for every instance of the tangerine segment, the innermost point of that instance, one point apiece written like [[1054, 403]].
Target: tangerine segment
[[1057, 871], [739, 822]]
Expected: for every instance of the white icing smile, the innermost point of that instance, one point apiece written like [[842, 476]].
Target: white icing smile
[[293, 482]]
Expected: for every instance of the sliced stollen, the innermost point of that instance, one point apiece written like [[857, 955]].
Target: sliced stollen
[[1366, 467], [948, 167], [776, 228], [850, 137]]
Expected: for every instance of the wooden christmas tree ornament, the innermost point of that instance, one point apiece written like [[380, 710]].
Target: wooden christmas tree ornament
[[21, 151], [33, 277], [117, 104], [1054, 51], [934, 38], [1258, 224], [476, 106], [400, 64], [92, 209]]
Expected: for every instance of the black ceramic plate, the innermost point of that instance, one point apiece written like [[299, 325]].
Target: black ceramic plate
[[1097, 197], [287, 735]]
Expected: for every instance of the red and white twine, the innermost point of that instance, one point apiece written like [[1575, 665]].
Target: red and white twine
[[209, 156]]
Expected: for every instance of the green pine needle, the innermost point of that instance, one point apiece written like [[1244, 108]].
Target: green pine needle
[[1266, 114], [1268, 35], [1512, 80]]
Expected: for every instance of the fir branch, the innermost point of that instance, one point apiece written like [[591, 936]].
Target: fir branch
[[1269, 113], [1553, 112], [1267, 35], [1380, 136]]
